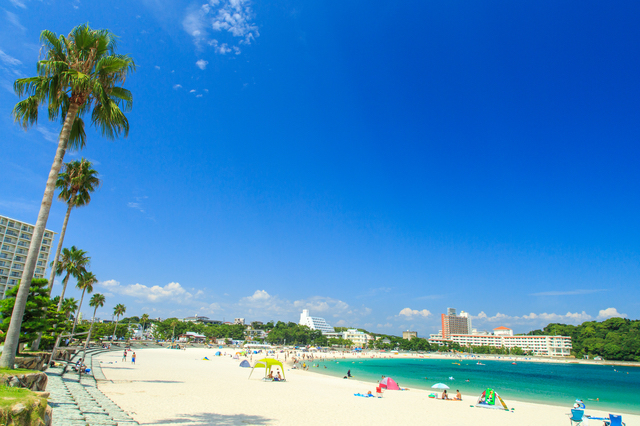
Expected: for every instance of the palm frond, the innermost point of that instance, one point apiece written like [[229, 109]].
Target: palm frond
[[109, 119], [78, 137], [123, 97], [26, 112]]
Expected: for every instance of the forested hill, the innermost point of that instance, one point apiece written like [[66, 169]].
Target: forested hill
[[614, 339]]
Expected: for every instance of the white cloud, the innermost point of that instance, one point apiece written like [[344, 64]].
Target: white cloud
[[533, 318], [198, 96], [177, 86], [610, 313], [192, 91], [231, 19], [157, 67], [410, 313], [173, 292], [202, 64]]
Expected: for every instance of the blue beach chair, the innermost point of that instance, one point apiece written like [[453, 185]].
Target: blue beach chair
[[577, 417], [614, 420]]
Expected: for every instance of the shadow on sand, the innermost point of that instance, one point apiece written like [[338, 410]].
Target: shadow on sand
[[212, 419]]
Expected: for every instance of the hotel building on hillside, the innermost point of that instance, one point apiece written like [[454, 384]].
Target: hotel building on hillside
[[15, 238], [315, 323], [408, 335], [359, 338], [503, 337]]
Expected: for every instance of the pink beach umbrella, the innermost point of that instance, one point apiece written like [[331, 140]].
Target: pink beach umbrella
[[389, 384]]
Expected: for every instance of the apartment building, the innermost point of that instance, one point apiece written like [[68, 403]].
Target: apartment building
[[15, 238]]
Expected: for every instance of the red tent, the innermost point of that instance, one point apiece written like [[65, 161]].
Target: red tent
[[389, 384]]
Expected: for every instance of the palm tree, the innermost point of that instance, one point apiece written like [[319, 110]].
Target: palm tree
[[97, 301], [76, 182], [85, 282], [79, 73], [173, 330], [74, 263], [69, 306], [120, 309], [144, 320]]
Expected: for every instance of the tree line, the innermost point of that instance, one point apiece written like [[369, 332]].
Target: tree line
[[615, 339]]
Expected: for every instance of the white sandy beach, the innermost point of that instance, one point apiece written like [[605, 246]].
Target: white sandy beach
[[178, 387]]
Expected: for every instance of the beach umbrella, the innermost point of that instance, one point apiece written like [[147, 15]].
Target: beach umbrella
[[439, 386]]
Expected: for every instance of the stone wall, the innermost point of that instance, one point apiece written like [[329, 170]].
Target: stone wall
[[33, 361]]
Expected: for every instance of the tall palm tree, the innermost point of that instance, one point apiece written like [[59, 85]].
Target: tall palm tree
[[97, 301], [120, 309], [173, 330], [85, 282], [74, 263], [79, 73], [144, 320], [76, 182]]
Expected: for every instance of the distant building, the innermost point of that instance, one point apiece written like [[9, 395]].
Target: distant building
[[192, 336], [15, 239], [359, 338], [201, 320], [408, 335], [239, 321], [502, 331], [315, 323], [454, 324], [503, 337]]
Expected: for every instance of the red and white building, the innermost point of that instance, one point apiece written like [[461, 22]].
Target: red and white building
[[503, 337]]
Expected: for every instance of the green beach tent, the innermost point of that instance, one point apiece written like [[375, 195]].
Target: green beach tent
[[267, 364]]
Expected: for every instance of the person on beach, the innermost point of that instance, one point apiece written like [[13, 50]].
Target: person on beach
[[133, 358], [349, 373], [444, 395], [458, 395], [124, 356]]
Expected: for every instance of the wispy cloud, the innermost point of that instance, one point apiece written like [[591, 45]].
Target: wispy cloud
[[173, 292], [230, 20], [13, 19], [177, 86], [539, 319], [49, 135], [138, 204], [18, 3], [568, 292], [9, 60]]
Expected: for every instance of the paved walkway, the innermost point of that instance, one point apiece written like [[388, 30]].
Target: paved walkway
[[78, 401]]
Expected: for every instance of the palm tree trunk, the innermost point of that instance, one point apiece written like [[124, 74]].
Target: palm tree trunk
[[114, 330], [13, 333], [86, 342], [64, 288], [75, 320], [36, 344], [59, 249]]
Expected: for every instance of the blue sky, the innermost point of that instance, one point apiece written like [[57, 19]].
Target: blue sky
[[374, 162]]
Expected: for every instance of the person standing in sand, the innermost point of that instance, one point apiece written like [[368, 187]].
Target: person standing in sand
[[124, 356], [133, 358]]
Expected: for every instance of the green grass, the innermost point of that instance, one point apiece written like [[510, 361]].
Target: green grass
[[9, 395], [13, 372]]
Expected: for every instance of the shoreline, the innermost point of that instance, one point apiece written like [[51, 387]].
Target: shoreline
[[178, 386]]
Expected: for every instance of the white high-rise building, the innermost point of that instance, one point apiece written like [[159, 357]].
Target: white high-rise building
[[15, 238], [315, 323]]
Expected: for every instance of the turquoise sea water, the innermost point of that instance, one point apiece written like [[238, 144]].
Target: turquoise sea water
[[557, 384]]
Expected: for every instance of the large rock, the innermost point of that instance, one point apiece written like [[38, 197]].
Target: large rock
[[36, 361], [31, 381], [28, 410], [65, 354]]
